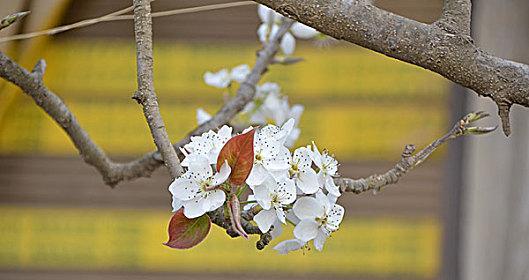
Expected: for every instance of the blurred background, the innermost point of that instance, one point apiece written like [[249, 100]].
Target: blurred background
[[59, 221]]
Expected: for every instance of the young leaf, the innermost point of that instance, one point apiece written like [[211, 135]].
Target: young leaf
[[185, 233], [238, 152]]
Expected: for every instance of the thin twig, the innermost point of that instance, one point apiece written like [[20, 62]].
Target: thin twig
[[115, 172], [145, 94], [119, 15], [409, 160]]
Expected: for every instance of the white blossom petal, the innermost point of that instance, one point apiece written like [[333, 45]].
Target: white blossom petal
[[262, 195], [331, 187], [286, 190], [184, 188], [303, 31], [222, 175], [176, 203], [316, 156], [240, 72], [262, 32], [265, 219], [280, 215], [302, 158], [308, 208], [308, 181], [323, 200], [284, 247], [288, 44], [306, 230], [257, 175], [202, 116], [213, 200], [194, 208], [335, 217], [319, 241], [199, 168], [220, 79]]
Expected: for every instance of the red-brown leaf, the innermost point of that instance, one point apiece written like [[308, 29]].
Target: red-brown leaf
[[238, 151], [185, 233]]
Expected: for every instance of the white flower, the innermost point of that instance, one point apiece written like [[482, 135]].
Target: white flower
[[176, 203], [278, 134], [208, 144], [303, 31], [284, 247], [220, 79], [196, 188], [270, 157], [239, 73], [202, 116], [224, 78], [270, 26], [302, 173], [319, 218], [328, 169], [273, 195], [271, 107]]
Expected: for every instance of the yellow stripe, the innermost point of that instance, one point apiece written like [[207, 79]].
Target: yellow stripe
[[89, 239], [358, 104]]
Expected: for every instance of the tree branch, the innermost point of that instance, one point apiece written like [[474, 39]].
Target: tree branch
[[113, 172], [452, 55], [409, 160], [456, 17], [145, 94]]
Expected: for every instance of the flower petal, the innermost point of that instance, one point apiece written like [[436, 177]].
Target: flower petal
[[220, 79], [214, 200], [319, 241], [184, 188], [306, 230], [202, 116], [335, 217], [331, 187], [265, 219], [194, 208], [176, 204], [222, 175], [240, 72], [286, 190], [262, 195], [257, 175], [288, 44], [284, 247], [280, 214], [308, 208], [199, 167], [308, 181], [302, 157], [303, 31]]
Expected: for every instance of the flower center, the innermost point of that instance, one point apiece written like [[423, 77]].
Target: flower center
[[258, 157], [322, 221], [205, 186]]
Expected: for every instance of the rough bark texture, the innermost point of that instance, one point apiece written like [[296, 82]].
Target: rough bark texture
[[145, 94], [443, 47]]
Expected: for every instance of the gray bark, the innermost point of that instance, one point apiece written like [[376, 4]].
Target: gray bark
[[145, 94], [443, 47]]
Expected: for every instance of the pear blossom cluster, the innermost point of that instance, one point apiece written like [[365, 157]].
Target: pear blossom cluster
[[281, 185], [284, 187], [270, 22]]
